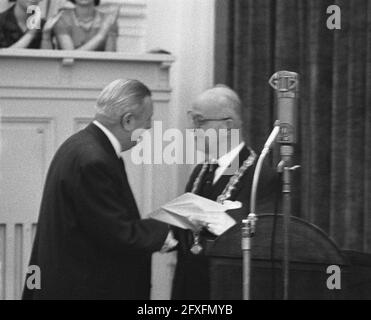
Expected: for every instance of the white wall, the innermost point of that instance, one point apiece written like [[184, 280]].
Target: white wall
[[186, 29]]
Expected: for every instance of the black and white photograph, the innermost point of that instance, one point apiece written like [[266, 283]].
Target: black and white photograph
[[185, 153]]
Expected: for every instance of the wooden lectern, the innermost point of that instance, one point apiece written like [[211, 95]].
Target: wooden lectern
[[311, 253]]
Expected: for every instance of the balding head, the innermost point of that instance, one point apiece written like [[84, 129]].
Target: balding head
[[218, 103], [124, 107], [217, 113], [122, 96]]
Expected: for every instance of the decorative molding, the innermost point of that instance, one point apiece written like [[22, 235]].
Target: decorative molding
[[27, 119], [67, 93], [166, 65], [46, 121], [162, 90], [132, 23], [86, 55], [129, 8]]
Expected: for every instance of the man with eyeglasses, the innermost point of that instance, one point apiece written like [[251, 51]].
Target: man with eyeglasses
[[225, 177]]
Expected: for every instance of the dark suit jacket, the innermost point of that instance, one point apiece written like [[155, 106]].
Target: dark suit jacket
[[90, 241], [191, 279]]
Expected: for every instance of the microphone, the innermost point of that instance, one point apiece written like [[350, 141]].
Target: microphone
[[286, 84]]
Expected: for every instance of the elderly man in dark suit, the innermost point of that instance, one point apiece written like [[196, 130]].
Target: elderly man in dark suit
[[90, 242], [226, 176]]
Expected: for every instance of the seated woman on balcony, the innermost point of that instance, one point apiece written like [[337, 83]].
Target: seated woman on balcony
[[86, 28], [15, 31]]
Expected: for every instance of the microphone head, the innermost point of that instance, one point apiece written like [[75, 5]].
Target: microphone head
[[286, 84]]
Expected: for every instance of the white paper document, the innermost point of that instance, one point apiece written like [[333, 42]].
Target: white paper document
[[180, 211]]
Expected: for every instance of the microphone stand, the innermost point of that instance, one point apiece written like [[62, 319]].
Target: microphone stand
[[286, 84], [249, 224], [284, 167]]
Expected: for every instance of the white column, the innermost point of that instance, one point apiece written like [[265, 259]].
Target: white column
[[132, 21], [186, 29]]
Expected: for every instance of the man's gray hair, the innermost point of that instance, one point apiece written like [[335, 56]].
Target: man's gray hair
[[120, 97], [231, 96]]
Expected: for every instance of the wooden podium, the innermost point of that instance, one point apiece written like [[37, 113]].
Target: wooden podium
[[311, 253]]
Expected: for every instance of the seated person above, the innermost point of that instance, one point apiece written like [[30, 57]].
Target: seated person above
[[86, 28], [14, 29]]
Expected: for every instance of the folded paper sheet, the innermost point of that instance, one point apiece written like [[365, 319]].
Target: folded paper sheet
[[182, 210]]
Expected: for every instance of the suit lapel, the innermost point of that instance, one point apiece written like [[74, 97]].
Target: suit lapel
[[219, 186]]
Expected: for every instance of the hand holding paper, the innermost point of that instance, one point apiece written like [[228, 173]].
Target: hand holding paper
[[190, 211], [220, 222], [183, 211]]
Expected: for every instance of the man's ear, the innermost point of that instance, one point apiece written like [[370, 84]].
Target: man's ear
[[128, 122]]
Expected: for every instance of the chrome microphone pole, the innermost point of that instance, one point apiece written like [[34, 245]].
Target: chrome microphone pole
[[249, 224], [286, 84]]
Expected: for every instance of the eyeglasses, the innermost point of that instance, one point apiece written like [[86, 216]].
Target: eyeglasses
[[199, 120]]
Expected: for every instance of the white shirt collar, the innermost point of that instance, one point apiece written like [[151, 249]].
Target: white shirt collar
[[114, 141], [225, 160]]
